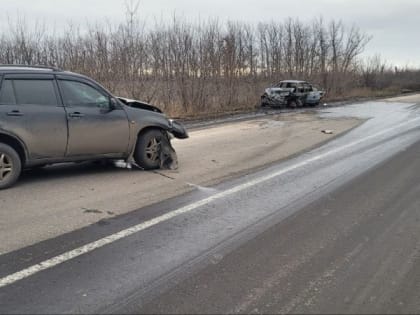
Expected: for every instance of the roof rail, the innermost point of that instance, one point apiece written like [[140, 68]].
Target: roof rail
[[30, 66]]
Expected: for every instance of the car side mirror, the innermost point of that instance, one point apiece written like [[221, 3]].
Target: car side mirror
[[113, 104]]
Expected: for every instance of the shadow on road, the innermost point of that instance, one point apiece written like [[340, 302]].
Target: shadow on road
[[67, 170]]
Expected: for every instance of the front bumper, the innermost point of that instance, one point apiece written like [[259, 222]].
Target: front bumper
[[278, 101], [178, 129]]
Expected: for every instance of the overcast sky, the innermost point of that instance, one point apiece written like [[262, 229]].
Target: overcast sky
[[394, 24]]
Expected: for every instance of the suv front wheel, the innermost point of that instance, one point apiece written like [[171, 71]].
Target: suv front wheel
[[10, 166], [148, 149]]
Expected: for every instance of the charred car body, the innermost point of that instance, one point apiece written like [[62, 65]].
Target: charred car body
[[51, 116], [291, 93]]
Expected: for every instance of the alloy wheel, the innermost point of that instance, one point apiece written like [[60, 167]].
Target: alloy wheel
[[6, 166], [153, 149]]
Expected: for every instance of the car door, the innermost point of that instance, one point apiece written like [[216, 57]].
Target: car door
[[313, 95], [95, 128], [301, 94], [31, 110]]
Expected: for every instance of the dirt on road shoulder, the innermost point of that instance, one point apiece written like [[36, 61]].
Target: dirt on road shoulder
[[411, 98], [221, 152]]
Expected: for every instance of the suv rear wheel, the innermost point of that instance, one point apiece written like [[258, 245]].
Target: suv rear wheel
[[148, 149], [10, 166]]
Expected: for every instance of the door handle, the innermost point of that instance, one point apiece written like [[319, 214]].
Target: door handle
[[15, 113], [76, 115]]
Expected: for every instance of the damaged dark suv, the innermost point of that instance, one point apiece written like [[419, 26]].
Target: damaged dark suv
[[51, 116]]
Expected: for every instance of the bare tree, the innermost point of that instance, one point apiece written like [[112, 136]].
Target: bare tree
[[192, 68]]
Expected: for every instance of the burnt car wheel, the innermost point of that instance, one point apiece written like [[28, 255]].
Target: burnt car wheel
[[148, 149], [292, 104], [10, 166], [264, 101]]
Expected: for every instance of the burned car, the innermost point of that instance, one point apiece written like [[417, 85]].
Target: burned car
[[52, 116], [293, 94]]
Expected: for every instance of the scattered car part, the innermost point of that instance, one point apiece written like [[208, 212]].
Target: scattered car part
[[154, 150]]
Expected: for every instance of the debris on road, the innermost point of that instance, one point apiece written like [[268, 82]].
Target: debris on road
[[94, 211], [328, 132], [123, 164], [168, 156]]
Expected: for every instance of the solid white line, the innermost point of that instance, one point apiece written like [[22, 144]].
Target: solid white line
[[49, 263]]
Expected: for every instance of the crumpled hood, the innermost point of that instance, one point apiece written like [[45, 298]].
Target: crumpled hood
[[140, 104], [155, 115]]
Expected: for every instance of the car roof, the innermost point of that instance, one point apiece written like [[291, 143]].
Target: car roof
[[292, 81], [22, 69], [25, 69], [35, 70]]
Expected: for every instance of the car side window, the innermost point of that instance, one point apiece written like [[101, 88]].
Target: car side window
[[38, 92], [7, 94], [308, 88], [292, 86], [300, 88], [80, 94]]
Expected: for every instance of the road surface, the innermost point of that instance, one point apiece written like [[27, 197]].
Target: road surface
[[334, 229], [49, 202]]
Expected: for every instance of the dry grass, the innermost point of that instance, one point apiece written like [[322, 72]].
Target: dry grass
[[364, 93]]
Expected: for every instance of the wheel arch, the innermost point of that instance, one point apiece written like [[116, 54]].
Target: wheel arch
[[148, 128], [16, 144]]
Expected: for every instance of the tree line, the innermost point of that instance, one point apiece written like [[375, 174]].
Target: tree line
[[212, 66]]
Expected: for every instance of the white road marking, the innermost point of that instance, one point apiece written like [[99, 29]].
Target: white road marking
[[49, 263]]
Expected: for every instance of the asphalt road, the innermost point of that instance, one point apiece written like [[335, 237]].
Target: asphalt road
[[355, 250], [335, 229]]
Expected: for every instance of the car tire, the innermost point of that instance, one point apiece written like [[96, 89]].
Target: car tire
[[292, 104], [10, 166], [264, 101], [148, 149]]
